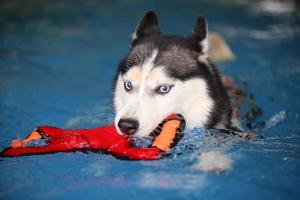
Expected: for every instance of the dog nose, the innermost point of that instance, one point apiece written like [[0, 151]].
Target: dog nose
[[128, 126]]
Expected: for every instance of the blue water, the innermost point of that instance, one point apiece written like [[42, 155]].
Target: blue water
[[57, 63]]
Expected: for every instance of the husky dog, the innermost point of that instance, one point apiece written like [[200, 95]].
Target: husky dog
[[165, 74]]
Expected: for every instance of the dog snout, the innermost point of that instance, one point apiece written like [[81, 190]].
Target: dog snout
[[128, 126]]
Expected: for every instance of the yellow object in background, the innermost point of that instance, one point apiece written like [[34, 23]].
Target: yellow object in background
[[219, 51]]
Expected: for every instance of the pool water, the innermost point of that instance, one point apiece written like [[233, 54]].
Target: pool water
[[57, 63]]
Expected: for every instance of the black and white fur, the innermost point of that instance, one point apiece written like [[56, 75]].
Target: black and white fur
[[165, 74]]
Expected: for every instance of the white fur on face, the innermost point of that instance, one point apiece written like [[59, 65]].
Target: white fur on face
[[190, 98]]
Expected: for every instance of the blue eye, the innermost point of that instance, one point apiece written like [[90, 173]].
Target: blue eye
[[163, 89], [127, 86]]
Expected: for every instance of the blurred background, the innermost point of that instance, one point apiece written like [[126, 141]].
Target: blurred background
[[57, 63]]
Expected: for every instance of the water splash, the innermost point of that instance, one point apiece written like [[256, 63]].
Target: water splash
[[275, 119], [197, 141], [214, 161]]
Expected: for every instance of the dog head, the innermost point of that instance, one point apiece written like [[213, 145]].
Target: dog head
[[161, 75]]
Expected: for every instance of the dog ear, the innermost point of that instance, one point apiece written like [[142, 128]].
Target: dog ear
[[199, 38], [148, 25]]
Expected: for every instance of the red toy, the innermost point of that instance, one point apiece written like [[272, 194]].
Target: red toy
[[103, 138]]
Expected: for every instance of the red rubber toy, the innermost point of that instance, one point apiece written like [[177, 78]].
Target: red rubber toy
[[103, 138]]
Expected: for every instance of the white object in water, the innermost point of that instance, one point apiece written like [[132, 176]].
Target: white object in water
[[274, 120], [214, 161]]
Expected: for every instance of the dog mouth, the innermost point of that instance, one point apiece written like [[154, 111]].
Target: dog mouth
[[147, 140], [155, 132]]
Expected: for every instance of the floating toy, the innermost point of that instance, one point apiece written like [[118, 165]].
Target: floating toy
[[105, 138]]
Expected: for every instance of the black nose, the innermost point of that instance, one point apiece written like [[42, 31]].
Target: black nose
[[128, 126]]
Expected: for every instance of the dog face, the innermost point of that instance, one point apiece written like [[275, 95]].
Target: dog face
[[162, 75]]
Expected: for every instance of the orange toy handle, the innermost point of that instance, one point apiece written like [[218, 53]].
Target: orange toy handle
[[34, 135], [168, 134]]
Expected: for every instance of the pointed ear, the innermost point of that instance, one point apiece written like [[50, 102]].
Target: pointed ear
[[148, 25], [199, 37]]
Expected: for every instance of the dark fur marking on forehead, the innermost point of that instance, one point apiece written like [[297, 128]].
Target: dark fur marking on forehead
[[188, 72], [173, 51], [137, 55]]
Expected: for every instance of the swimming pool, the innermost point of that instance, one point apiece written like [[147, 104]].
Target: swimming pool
[[58, 59]]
